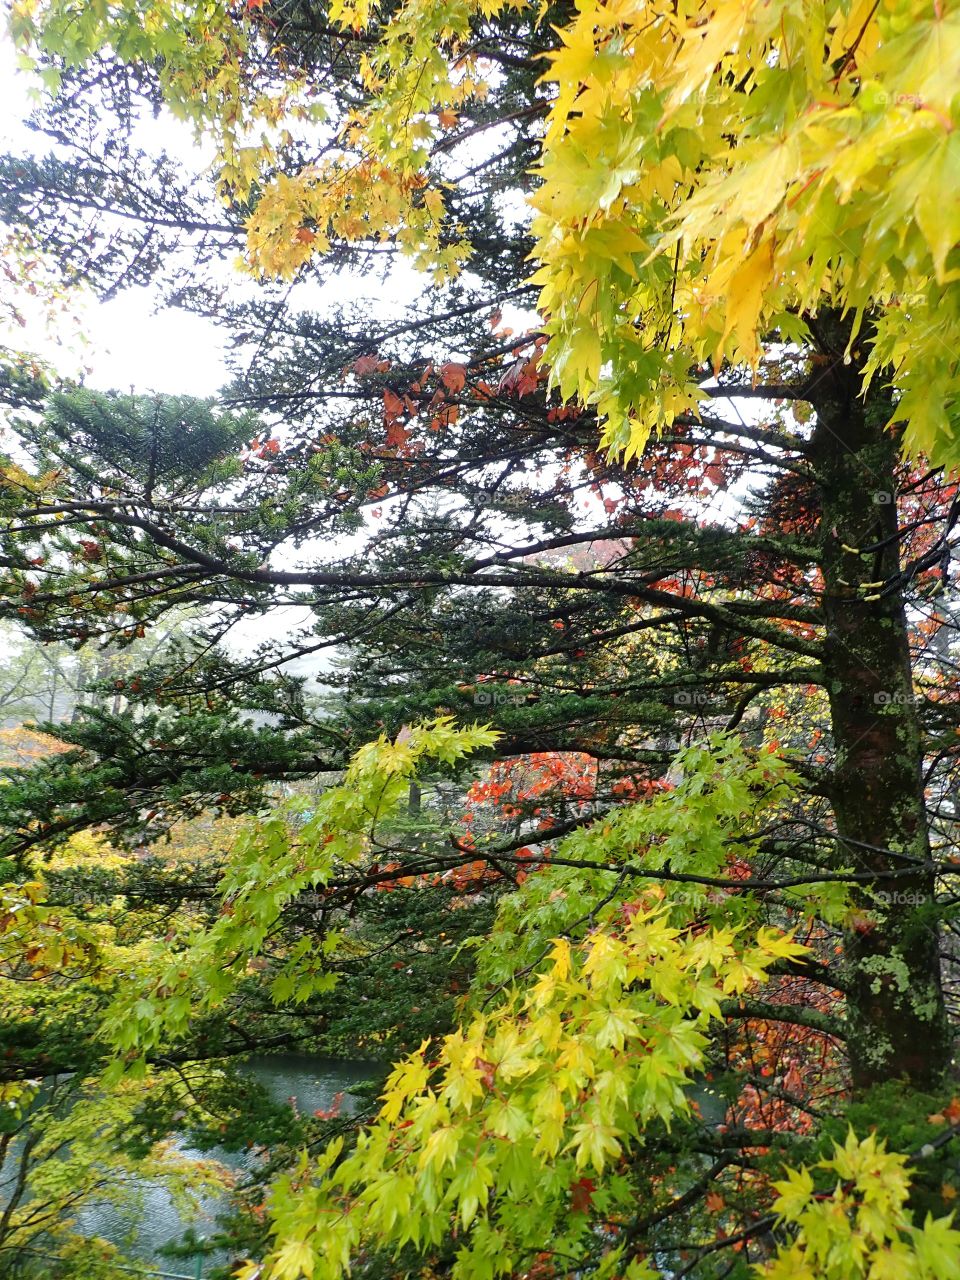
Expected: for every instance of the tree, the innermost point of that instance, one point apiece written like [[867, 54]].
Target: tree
[[65, 943], [700, 669], [30, 678], [827, 203], [532, 1135], [820, 584], [68, 1148], [807, 630], [48, 682]]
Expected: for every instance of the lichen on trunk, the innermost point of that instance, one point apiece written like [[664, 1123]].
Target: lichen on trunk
[[897, 1025]]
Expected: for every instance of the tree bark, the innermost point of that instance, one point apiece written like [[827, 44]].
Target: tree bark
[[896, 1020]]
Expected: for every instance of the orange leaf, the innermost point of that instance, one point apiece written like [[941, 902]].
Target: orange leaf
[[397, 435], [392, 405], [581, 1195], [453, 376]]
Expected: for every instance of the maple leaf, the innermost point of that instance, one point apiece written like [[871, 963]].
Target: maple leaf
[[453, 376], [397, 435], [488, 1071], [581, 1195], [392, 405]]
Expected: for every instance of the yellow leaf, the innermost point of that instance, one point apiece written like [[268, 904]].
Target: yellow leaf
[[293, 1261], [938, 216], [742, 284]]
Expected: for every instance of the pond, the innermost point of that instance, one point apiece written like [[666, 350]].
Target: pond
[[310, 1081]]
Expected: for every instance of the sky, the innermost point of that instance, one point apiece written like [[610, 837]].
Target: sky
[[123, 342], [126, 344]]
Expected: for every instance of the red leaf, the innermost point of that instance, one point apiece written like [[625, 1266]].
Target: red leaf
[[488, 1071], [453, 376], [392, 405], [581, 1195], [397, 435]]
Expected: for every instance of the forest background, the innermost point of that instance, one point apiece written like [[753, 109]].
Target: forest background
[[535, 665]]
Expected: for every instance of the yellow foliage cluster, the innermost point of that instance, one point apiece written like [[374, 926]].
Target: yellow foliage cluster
[[709, 176]]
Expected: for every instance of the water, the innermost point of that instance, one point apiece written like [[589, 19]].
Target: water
[[309, 1081]]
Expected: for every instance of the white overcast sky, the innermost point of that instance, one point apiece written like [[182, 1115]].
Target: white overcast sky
[[124, 343]]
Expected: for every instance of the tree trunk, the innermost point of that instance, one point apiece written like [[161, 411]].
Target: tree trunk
[[896, 1019]]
